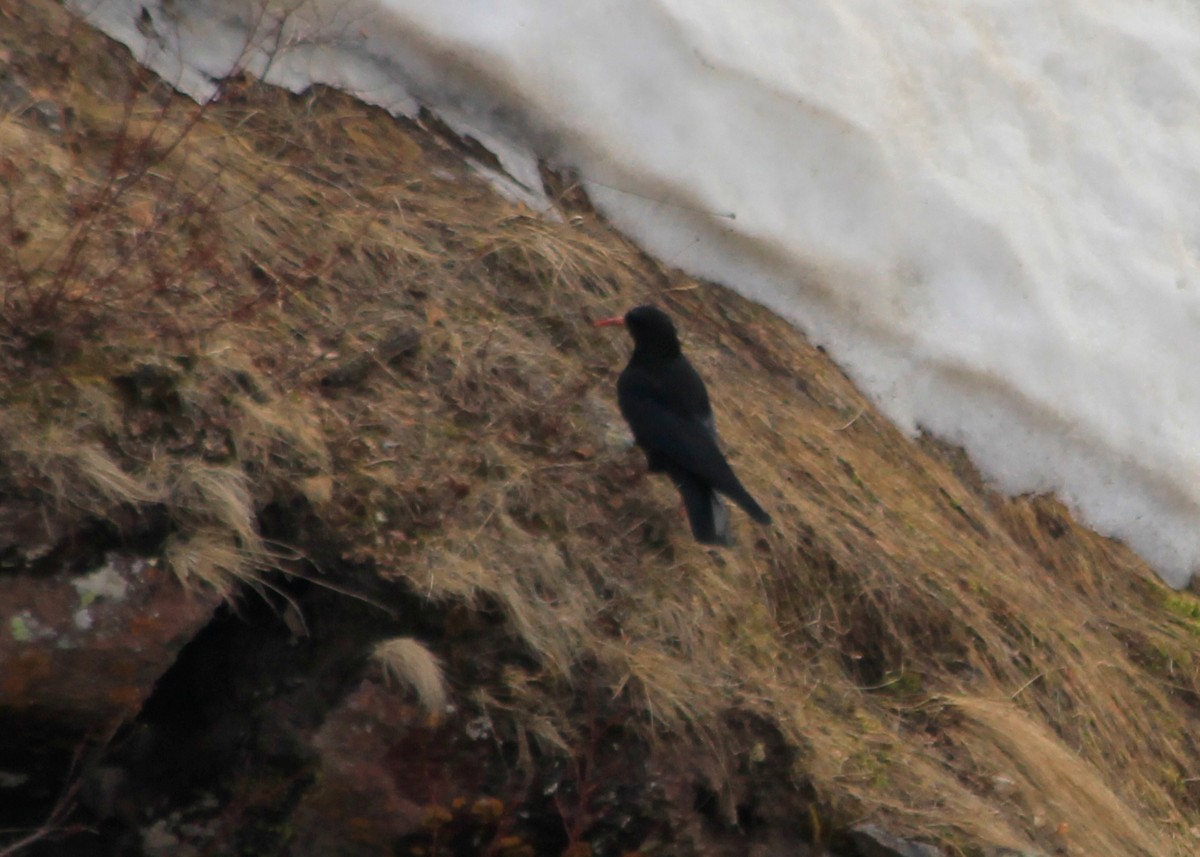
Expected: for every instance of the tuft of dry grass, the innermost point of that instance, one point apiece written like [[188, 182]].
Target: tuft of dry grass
[[68, 466], [209, 557], [409, 663], [1066, 798]]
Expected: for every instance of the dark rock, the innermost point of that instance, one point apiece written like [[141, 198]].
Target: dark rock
[[46, 114], [397, 344], [151, 385], [873, 841], [90, 647], [14, 95], [80, 654], [355, 807]]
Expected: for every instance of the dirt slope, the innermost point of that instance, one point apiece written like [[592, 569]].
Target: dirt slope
[[288, 371]]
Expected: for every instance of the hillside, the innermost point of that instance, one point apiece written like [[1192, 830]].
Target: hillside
[[320, 532]]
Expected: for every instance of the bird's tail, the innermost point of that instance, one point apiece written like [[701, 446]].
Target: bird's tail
[[732, 488], [751, 506], [706, 511]]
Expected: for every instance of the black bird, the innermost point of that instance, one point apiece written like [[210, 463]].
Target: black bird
[[666, 405]]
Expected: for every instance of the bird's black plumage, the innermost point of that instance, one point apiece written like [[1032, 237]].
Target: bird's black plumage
[[666, 405]]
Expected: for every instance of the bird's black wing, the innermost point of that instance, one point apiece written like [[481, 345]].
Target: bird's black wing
[[687, 445]]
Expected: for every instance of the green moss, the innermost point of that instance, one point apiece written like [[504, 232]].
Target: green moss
[[1186, 607], [20, 629], [872, 766], [905, 683]]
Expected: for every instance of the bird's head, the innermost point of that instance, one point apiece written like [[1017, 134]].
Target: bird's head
[[653, 332]]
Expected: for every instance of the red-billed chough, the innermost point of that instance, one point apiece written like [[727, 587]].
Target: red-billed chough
[[666, 405]]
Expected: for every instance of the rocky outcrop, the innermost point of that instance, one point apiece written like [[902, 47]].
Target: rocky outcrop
[[89, 647], [873, 841], [81, 652]]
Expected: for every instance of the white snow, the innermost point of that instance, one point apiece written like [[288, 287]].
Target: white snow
[[987, 210]]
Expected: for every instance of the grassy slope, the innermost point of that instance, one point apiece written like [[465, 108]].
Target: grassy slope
[[961, 666]]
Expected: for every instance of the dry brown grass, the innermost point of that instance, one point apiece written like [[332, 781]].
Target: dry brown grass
[[962, 667], [409, 663]]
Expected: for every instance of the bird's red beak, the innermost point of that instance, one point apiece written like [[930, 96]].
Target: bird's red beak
[[607, 322]]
